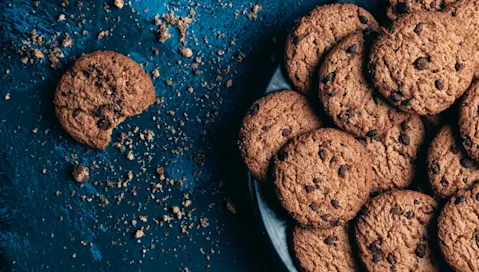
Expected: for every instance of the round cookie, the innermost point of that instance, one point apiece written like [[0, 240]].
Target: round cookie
[[270, 122], [392, 232], [315, 34], [397, 8], [422, 64], [323, 177], [98, 92], [449, 167], [347, 95], [394, 154], [469, 121], [458, 231], [323, 250]]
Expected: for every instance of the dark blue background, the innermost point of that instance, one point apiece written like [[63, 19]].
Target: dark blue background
[[29, 208]]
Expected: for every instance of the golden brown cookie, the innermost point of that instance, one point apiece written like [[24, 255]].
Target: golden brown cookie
[[323, 250], [394, 154], [269, 123], [392, 232], [315, 34], [469, 121], [449, 167], [458, 230], [397, 8], [348, 96], [323, 177], [99, 92], [422, 64]]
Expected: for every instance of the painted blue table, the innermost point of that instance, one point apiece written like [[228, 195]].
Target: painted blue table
[[50, 222]]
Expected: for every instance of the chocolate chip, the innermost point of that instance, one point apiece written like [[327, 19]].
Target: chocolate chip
[[335, 223], [282, 155], [420, 250], [331, 240], [335, 203], [328, 78], [362, 140], [439, 84], [409, 214], [333, 159], [477, 239], [376, 258], [420, 63], [296, 40], [435, 168], [372, 133], [417, 202], [333, 93], [391, 259], [407, 102], [342, 171], [477, 196], [103, 124], [418, 28], [395, 97], [363, 211], [404, 125], [321, 154], [309, 188], [286, 132], [353, 48], [459, 66], [254, 109], [395, 210], [453, 148], [404, 139], [64, 94], [374, 246], [444, 182], [402, 8], [316, 180], [325, 217], [314, 206], [467, 142], [459, 200], [467, 163], [76, 112], [363, 19]]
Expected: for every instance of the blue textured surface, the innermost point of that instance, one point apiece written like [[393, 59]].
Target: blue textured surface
[[32, 236]]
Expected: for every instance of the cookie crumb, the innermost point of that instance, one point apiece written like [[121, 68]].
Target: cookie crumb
[[119, 3], [81, 173], [186, 52]]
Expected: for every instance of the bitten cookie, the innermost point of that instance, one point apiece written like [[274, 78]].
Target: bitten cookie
[[422, 64], [397, 8], [315, 34], [99, 92], [347, 95], [392, 232], [394, 154], [469, 121], [458, 230], [449, 167], [323, 177], [323, 250], [269, 123]]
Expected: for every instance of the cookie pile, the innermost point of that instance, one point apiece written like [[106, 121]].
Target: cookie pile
[[349, 161]]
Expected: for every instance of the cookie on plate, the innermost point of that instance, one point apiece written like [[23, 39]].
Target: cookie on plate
[[392, 232], [394, 154], [99, 92], [469, 121], [348, 96], [397, 8], [323, 250], [458, 231], [449, 167], [269, 123], [315, 34], [422, 64], [323, 177]]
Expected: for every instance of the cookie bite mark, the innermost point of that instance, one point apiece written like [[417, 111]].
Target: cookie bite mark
[[99, 92]]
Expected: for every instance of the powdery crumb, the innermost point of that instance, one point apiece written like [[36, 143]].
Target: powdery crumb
[[119, 3], [139, 233], [186, 52], [155, 73]]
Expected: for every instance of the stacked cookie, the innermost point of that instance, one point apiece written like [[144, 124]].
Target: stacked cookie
[[377, 86]]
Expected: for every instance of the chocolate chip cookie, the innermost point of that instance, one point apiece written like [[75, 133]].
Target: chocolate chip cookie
[[315, 34], [469, 121], [397, 8], [422, 64], [99, 92], [269, 123], [394, 154], [323, 177], [449, 167], [318, 250], [392, 232], [348, 96], [458, 230]]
